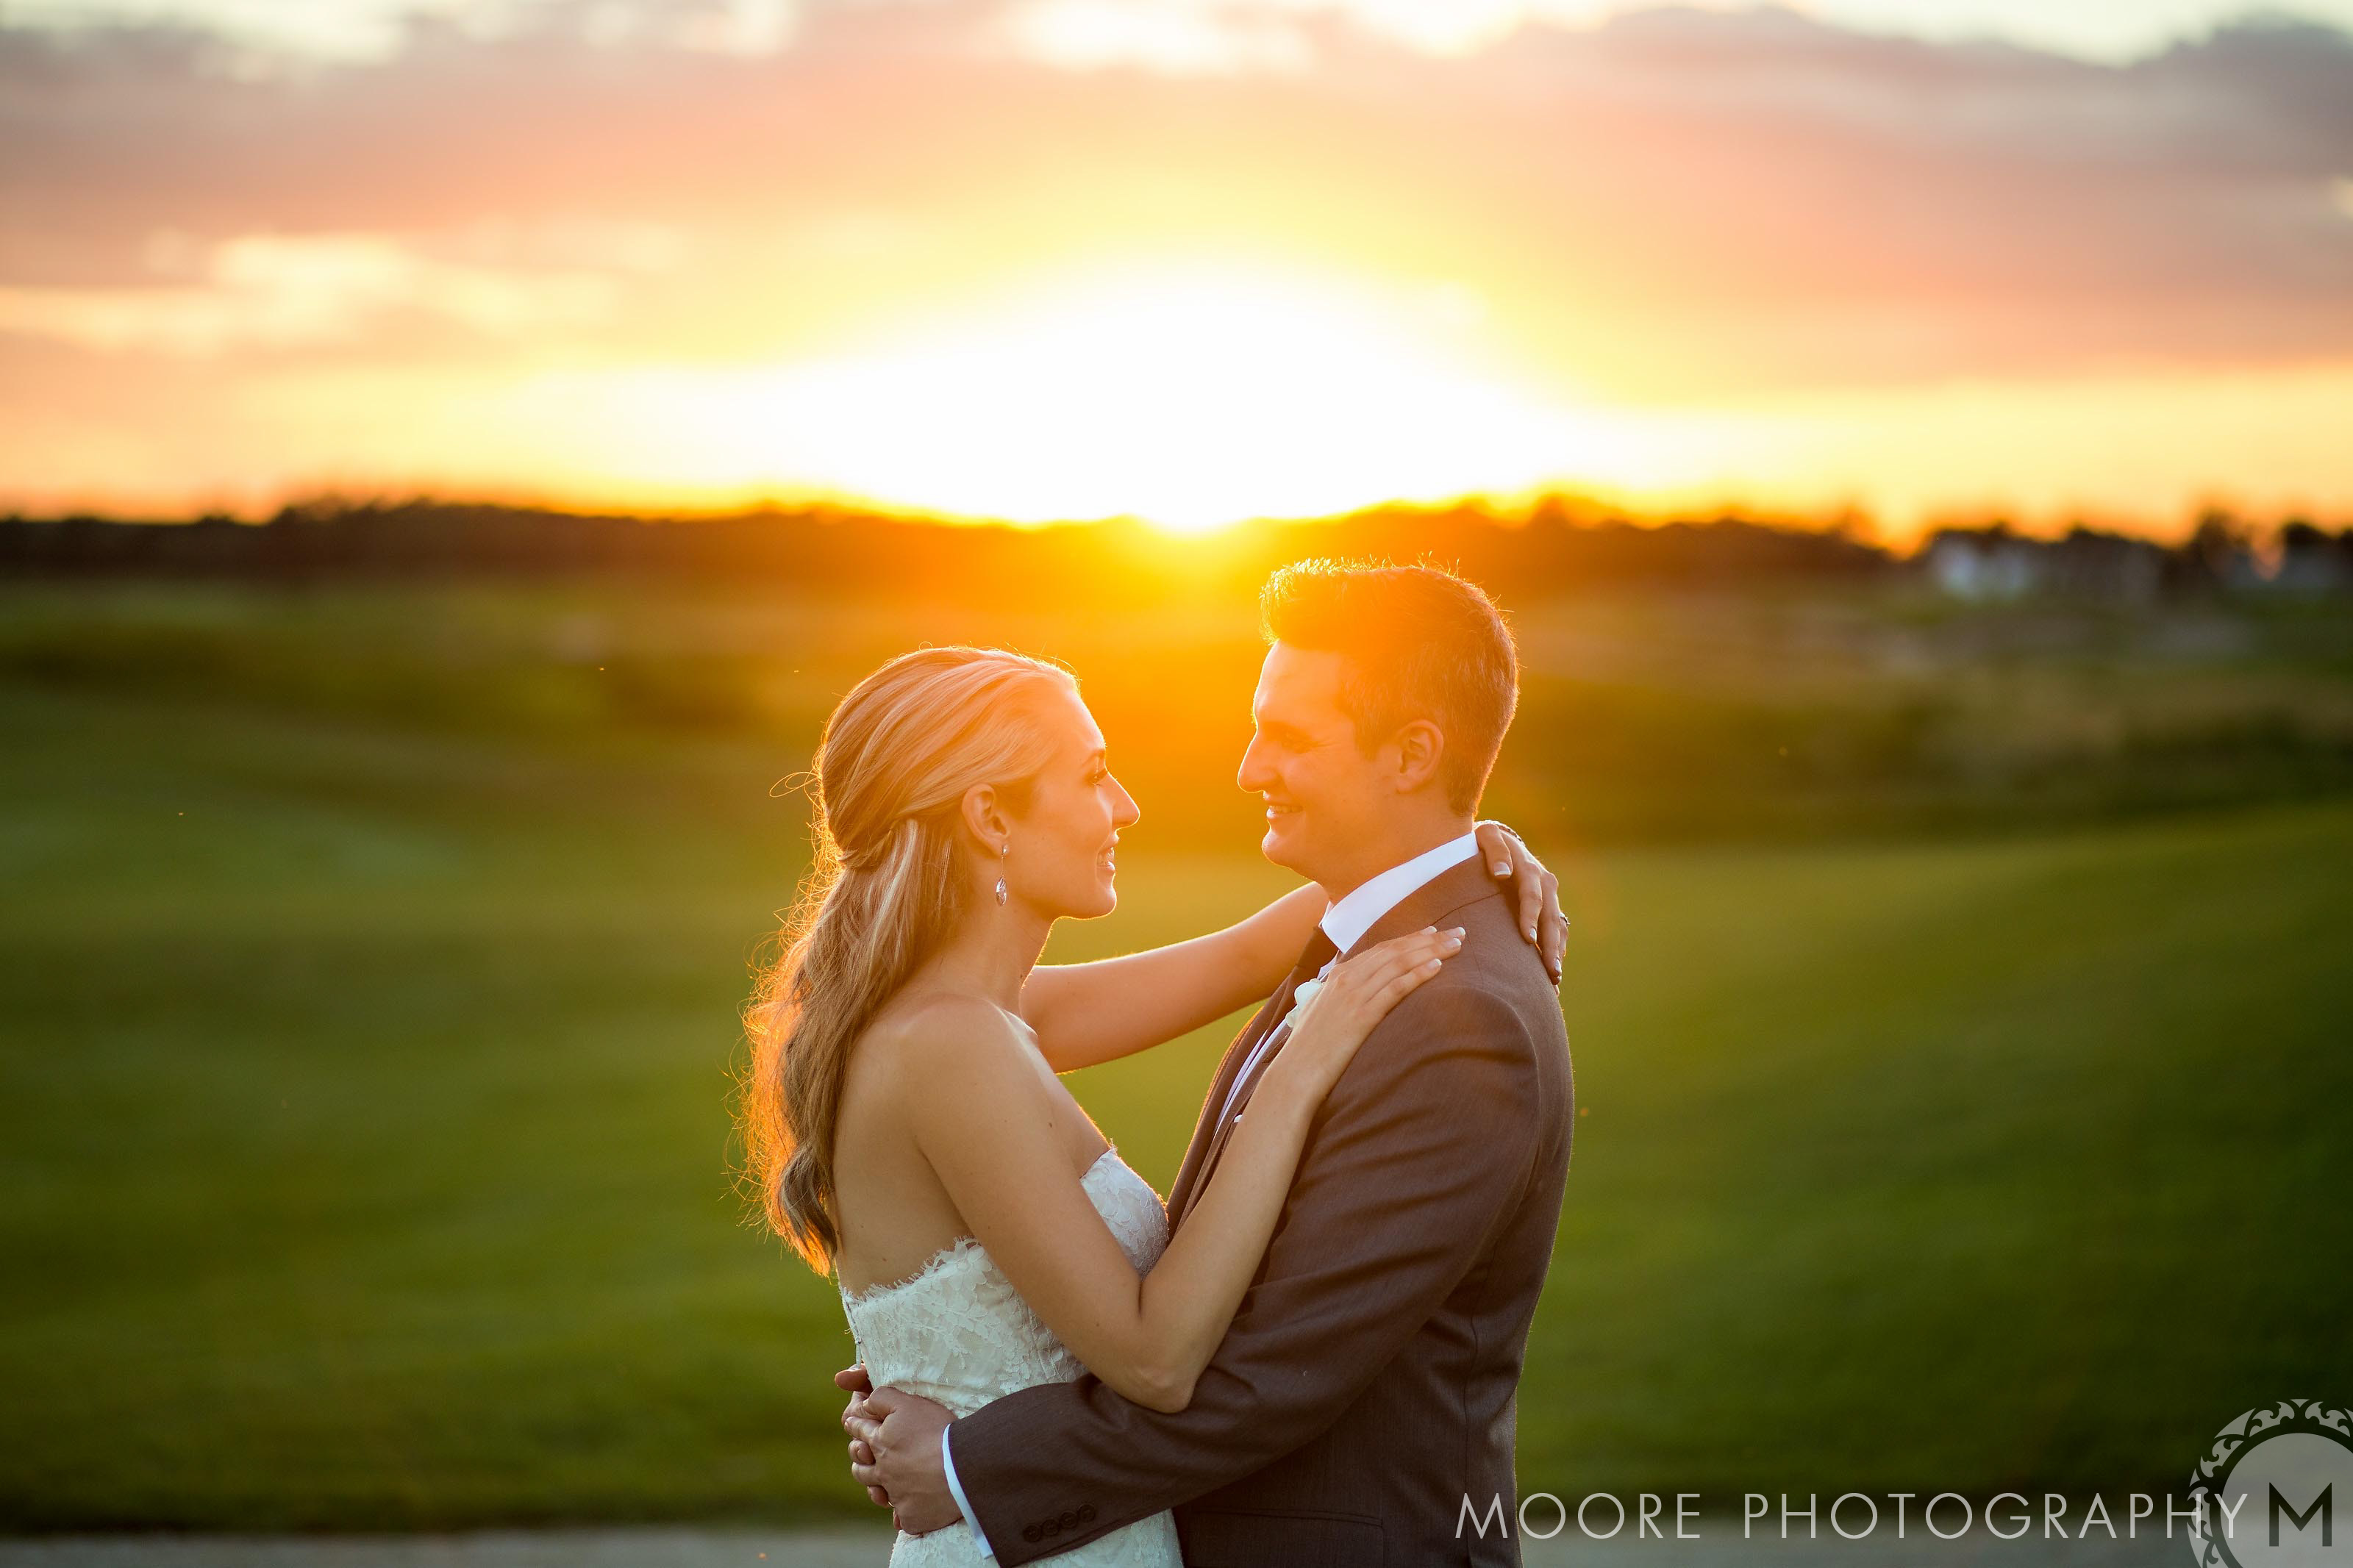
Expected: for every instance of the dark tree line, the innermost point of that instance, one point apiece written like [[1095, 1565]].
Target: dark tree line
[[844, 550]]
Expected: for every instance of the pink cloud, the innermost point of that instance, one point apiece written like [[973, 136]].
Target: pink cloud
[[1676, 201]]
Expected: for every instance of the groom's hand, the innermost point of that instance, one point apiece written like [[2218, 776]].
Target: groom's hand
[[854, 1381], [901, 1432]]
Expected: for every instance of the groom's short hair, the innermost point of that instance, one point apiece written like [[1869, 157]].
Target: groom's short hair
[[1416, 643]]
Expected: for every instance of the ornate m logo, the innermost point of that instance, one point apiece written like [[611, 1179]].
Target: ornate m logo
[[2267, 1490]]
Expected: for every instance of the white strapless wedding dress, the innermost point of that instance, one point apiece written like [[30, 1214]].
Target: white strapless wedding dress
[[958, 1334]]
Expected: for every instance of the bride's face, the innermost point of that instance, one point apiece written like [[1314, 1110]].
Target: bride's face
[[1060, 858]]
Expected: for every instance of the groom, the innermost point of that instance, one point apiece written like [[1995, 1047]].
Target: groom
[[1367, 1388]]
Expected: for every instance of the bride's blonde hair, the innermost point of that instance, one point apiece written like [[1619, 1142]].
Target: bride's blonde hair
[[889, 773]]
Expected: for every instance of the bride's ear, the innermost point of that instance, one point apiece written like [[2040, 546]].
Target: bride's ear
[[985, 822]]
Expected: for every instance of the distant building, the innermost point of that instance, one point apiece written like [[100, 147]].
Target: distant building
[[2313, 563], [2091, 564], [1995, 565], [1983, 564]]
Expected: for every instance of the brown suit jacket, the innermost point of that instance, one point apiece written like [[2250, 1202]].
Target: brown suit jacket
[[1367, 1385]]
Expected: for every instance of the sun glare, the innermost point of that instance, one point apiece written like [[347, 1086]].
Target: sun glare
[[1189, 396]]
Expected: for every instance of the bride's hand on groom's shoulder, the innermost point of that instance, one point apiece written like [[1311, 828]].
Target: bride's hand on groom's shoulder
[[1337, 1012], [1541, 922]]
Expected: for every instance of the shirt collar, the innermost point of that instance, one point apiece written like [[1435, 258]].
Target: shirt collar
[[1347, 921]]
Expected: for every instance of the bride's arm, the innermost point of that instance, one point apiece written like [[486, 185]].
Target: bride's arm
[[1089, 1013], [991, 1128]]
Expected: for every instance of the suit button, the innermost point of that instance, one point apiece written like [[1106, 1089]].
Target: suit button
[[1068, 1521], [1087, 1515], [1033, 1534]]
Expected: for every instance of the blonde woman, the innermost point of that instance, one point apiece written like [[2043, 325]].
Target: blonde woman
[[902, 1113]]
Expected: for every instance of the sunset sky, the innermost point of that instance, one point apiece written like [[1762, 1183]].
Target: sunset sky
[[1190, 261]]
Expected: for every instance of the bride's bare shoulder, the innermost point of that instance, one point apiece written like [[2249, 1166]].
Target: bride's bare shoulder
[[948, 1030], [955, 1070]]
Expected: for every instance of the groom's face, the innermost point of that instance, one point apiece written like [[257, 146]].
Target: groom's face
[[1325, 797]]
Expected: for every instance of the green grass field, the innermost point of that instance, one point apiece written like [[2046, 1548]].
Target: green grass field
[[364, 1135]]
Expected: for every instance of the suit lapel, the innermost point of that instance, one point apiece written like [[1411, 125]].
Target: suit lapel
[[1180, 1195], [1221, 1125]]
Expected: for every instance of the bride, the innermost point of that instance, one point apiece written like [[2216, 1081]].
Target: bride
[[901, 1113]]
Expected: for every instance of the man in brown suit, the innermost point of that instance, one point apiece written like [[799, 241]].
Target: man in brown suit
[[1361, 1409]]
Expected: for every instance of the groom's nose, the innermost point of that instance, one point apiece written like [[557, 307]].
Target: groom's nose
[[1254, 776]]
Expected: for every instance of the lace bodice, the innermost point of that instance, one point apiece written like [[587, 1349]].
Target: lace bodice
[[957, 1332]]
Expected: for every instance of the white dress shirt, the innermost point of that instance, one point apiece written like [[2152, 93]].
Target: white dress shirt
[[1345, 923]]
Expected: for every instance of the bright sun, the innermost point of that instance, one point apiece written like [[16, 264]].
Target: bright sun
[[1189, 394]]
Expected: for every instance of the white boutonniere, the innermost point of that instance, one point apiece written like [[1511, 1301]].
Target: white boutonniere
[[1300, 998]]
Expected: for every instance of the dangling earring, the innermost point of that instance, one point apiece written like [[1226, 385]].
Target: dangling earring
[[1002, 854]]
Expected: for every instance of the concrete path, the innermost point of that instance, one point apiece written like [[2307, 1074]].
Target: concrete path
[[1720, 1546]]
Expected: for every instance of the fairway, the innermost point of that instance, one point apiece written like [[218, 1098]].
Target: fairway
[[365, 1138]]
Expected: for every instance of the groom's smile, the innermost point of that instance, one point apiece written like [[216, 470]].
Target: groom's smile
[[1328, 814]]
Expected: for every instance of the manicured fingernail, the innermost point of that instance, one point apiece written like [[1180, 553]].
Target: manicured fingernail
[[1502, 868]]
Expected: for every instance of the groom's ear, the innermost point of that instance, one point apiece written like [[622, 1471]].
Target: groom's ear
[[1419, 746]]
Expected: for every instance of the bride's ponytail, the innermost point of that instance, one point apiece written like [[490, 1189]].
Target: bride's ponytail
[[883, 893]]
